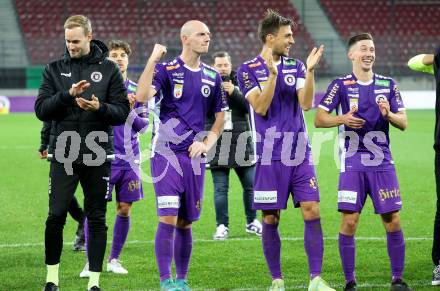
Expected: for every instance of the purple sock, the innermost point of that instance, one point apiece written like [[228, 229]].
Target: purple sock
[[314, 245], [163, 247], [272, 249], [182, 251], [347, 252], [120, 232], [86, 237], [396, 252]]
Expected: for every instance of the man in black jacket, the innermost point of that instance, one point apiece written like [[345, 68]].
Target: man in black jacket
[[75, 210], [234, 150], [430, 63], [83, 94]]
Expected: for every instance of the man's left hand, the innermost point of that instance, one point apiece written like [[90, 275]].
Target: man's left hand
[[88, 105]]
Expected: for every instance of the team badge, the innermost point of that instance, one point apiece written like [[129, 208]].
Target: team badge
[[178, 89], [96, 77], [206, 90], [289, 80], [381, 98]]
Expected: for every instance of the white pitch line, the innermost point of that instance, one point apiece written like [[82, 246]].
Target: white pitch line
[[302, 287], [237, 239]]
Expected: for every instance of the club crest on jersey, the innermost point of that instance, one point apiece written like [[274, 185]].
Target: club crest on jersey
[[178, 90], [381, 98], [96, 77], [206, 90], [289, 80]]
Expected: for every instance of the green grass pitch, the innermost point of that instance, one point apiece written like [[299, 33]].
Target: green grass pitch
[[234, 264]]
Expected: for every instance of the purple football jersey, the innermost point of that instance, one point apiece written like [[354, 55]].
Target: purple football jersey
[[277, 133], [134, 126], [185, 96], [366, 148]]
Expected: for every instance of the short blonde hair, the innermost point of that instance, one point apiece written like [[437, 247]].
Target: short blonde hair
[[79, 21]]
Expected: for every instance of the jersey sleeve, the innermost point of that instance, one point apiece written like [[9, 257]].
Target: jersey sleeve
[[246, 80], [332, 97], [301, 76], [160, 77], [220, 101], [396, 102]]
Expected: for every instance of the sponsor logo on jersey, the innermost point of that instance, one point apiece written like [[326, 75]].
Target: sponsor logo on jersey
[[209, 73], [380, 91], [349, 82], [206, 90], [260, 72], [170, 68], [383, 83], [177, 74], [131, 88], [178, 90], [262, 84], [397, 95], [353, 89], [68, 75], [246, 81], [290, 62], [96, 77], [209, 82], [329, 99], [289, 71], [255, 65], [354, 103]]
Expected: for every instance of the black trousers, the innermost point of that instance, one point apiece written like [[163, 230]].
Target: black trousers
[[436, 241], [76, 211], [94, 182]]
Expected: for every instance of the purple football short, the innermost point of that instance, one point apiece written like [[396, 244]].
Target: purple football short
[[179, 188], [382, 186], [275, 182], [127, 184]]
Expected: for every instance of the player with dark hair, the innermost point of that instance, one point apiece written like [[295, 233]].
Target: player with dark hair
[[187, 90], [278, 89], [366, 104]]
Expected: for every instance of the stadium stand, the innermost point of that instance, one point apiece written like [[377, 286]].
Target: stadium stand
[[233, 24]]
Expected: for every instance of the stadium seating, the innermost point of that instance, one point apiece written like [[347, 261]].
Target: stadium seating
[[400, 30], [233, 24]]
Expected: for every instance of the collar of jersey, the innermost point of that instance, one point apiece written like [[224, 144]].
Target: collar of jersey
[[182, 63], [363, 83]]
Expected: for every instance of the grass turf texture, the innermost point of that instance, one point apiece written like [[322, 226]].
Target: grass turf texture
[[236, 263]]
